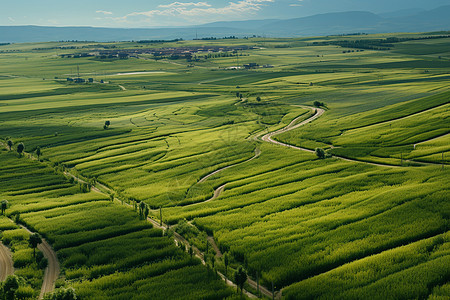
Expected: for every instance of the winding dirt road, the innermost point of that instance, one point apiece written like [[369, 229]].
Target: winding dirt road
[[53, 269], [177, 237], [430, 140], [51, 273], [257, 154], [6, 262], [317, 113], [221, 188], [268, 137]]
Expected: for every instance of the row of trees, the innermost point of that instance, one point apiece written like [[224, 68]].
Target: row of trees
[[144, 210], [21, 148], [187, 230]]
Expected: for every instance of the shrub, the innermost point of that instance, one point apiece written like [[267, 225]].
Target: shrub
[[320, 153]]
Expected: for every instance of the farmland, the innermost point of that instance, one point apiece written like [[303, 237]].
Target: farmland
[[372, 218]]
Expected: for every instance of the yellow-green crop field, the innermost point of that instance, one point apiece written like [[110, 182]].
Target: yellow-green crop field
[[369, 221]]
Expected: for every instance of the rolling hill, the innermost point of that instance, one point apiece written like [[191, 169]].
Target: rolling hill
[[322, 24]]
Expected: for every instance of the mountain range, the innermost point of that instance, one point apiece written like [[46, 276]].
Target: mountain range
[[412, 20]]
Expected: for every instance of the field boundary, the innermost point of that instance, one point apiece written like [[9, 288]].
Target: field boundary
[[98, 187], [53, 269], [318, 112]]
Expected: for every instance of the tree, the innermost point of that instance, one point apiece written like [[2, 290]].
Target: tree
[[191, 251], [17, 218], [258, 99], [106, 126], [20, 148], [318, 104], [38, 152], [111, 197], [141, 209], [10, 144], [146, 212], [240, 277], [10, 287], [4, 206], [320, 153], [212, 259], [34, 240], [62, 294], [226, 261]]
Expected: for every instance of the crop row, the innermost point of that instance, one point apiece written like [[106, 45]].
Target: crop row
[[96, 239]]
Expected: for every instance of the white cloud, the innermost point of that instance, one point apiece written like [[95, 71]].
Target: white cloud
[[104, 12], [11, 19], [296, 4], [183, 4], [195, 11]]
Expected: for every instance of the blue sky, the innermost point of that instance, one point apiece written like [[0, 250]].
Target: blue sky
[[156, 13]]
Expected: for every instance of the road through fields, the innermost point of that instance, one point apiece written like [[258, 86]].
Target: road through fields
[[6, 262]]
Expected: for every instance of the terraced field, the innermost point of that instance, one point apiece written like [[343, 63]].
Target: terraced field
[[191, 140], [104, 248]]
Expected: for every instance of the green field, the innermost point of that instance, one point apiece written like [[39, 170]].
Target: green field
[[369, 221]]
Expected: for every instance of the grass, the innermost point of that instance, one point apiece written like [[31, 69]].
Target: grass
[[95, 239], [359, 230]]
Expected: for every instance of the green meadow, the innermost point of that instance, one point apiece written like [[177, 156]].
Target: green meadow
[[369, 221]]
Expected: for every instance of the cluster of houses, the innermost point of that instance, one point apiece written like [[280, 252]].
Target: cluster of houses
[[172, 52], [250, 66], [256, 66], [81, 80]]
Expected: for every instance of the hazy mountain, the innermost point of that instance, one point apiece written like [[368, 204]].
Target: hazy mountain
[[322, 24], [325, 24], [251, 24], [21, 34], [352, 22], [436, 19], [402, 13]]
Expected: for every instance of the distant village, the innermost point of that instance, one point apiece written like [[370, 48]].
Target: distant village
[[189, 53]]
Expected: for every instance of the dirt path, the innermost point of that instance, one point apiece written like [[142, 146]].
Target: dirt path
[[317, 113], [51, 273], [103, 189], [291, 126], [180, 239], [402, 117], [264, 290], [52, 270], [430, 140], [6, 262], [250, 281], [221, 188], [257, 154], [217, 193], [214, 246], [122, 87]]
